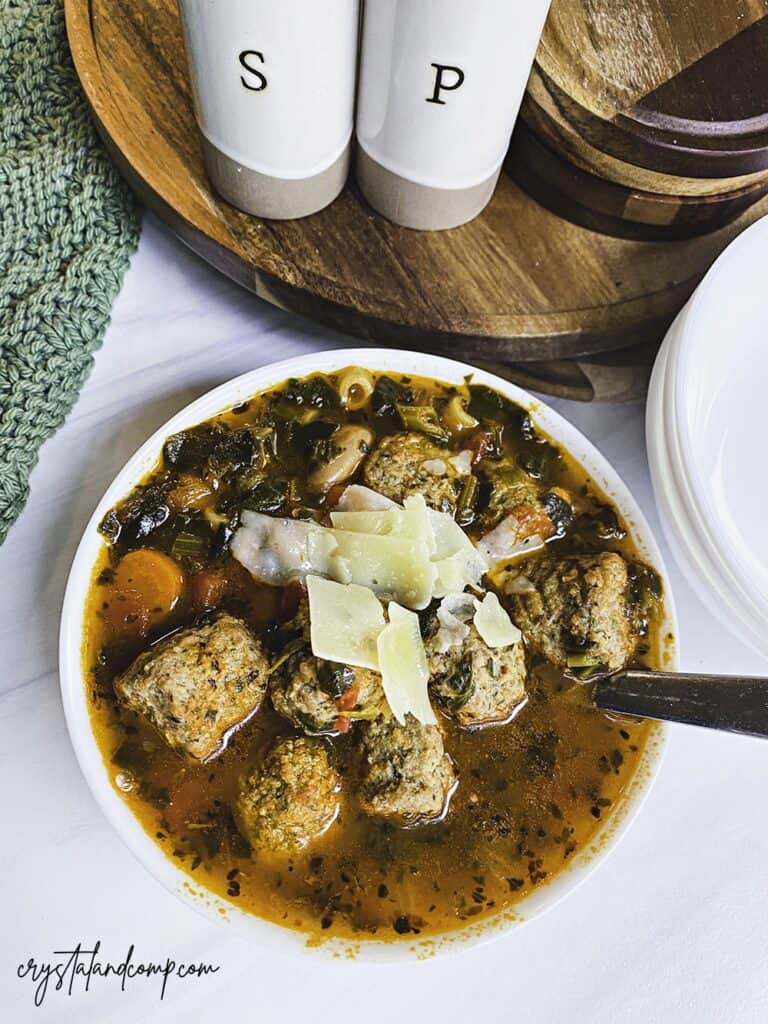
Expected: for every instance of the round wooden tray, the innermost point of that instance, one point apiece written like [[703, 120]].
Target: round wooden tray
[[518, 284]]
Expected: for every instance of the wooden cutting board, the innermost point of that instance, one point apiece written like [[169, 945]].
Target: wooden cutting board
[[518, 284]]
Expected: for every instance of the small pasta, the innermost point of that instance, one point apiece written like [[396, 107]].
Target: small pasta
[[355, 387], [455, 416]]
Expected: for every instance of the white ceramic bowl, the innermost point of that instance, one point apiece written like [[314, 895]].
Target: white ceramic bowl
[[74, 689]]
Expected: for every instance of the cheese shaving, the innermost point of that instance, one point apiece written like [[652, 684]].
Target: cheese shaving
[[494, 624], [453, 615], [345, 622], [403, 666]]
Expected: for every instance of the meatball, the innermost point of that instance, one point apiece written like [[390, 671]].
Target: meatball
[[291, 798], [313, 694], [513, 492], [407, 775], [580, 607], [474, 683], [405, 464], [197, 686]]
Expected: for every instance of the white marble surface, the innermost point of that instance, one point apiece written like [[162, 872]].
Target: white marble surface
[[673, 927]]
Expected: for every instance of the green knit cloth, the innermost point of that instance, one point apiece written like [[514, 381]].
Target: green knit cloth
[[68, 227]]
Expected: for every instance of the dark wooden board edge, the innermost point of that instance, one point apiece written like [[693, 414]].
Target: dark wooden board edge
[[602, 205], [660, 147]]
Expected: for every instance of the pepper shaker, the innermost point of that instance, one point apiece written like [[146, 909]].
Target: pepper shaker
[[273, 87], [441, 83]]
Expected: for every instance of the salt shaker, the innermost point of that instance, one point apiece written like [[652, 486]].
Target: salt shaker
[[274, 88], [441, 83]]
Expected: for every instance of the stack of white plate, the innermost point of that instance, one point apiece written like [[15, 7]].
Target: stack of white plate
[[707, 430]]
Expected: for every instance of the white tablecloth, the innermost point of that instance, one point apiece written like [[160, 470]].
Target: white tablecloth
[[673, 927]]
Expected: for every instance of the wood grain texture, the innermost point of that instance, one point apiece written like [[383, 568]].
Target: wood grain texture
[[616, 209], [518, 284], [677, 86], [544, 119]]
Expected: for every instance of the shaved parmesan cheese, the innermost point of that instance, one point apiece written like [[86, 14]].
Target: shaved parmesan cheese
[[357, 498], [462, 462], [454, 575], [435, 466], [494, 624], [276, 551], [403, 666], [459, 563], [453, 615], [345, 622], [406, 553], [392, 567], [504, 542], [412, 521]]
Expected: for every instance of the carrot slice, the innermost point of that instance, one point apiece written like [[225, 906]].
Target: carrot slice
[[146, 587]]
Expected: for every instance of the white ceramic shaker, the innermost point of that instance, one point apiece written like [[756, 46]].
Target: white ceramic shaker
[[274, 89], [441, 83]]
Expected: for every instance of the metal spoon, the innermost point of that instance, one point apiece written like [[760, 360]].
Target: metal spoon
[[732, 703]]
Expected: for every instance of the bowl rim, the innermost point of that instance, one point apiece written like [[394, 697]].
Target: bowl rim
[[74, 685], [684, 359], [683, 520]]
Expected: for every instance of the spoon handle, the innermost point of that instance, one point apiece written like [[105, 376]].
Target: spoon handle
[[732, 703]]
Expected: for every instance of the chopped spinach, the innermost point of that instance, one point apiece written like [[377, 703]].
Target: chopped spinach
[[142, 513], [645, 591], [559, 512], [314, 392], [424, 420], [487, 404], [269, 496], [454, 689], [388, 394], [595, 529], [215, 451], [334, 679], [540, 460]]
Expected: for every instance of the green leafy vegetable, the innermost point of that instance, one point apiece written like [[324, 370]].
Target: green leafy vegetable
[[595, 529], [559, 512], [540, 460], [388, 394], [268, 496], [455, 688], [424, 420], [334, 679], [138, 517], [487, 404], [216, 451], [315, 392], [646, 591]]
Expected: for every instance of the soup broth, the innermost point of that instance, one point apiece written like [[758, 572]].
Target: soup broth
[[531, 792]]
